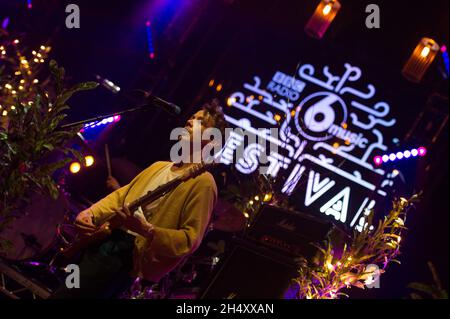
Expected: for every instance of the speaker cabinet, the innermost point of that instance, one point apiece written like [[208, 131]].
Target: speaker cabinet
[[251, 271]]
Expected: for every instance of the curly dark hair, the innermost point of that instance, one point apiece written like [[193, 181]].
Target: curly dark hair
[[215, 112]]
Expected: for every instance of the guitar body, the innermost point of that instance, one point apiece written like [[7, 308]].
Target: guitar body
[[85, 241]]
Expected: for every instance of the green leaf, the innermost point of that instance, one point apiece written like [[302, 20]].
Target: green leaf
[[358, 284], [67, 94], [343, 294], [428, 289], [48, 146]]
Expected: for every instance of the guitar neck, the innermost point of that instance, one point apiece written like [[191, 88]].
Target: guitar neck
[[164, 189], [155, 194]]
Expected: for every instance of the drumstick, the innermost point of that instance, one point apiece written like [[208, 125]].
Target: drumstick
[[108, 161]]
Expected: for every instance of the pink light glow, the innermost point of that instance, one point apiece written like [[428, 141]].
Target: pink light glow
[[422, 151], [377, 160], [443, 48]]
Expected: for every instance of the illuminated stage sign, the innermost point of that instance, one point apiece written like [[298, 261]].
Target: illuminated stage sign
[[330, 127]]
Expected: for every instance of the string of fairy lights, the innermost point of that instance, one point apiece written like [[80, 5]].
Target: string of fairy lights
[[19, 86]]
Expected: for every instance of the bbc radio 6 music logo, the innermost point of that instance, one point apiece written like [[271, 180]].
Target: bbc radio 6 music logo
[[322, 116], [330, 122]]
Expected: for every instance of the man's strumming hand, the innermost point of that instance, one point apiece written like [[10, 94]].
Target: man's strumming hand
[[135, 223]]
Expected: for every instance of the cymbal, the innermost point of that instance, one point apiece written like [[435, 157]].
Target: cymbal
[[227, 217]]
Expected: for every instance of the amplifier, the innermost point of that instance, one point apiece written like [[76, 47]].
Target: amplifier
[[263, 263], [288, 231], [251, 271]]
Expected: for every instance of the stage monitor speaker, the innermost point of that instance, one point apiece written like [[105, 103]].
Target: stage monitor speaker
[[288, 231], [251, 271]]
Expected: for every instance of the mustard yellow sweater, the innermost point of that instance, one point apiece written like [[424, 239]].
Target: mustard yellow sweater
[[180, 220]]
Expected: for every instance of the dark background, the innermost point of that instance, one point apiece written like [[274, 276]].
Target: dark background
[[230, 41]]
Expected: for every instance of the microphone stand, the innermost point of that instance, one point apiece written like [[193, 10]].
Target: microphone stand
[[101, 117]]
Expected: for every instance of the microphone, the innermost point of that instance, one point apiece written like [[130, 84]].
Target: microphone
[[166, 106], [107, 84]]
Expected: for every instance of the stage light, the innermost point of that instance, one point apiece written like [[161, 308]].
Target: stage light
[[5, 23], [231, 100], [422, 151], [219, 87], [151, 48], [89, 160], [378, 160], [267, 197], [326, 9], [322, 18], [395, 172], [105, 121], [444, 54], [75, 167], [421, 58], [425, 52]]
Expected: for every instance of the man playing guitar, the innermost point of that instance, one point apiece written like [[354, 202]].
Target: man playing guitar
[[154, 239]]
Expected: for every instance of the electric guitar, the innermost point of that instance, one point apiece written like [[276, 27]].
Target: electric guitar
[[114, 222]]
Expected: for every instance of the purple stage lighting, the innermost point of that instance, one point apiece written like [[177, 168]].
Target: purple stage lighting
[[422, 151], [380, 159], [151, 48], [105, 121]]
